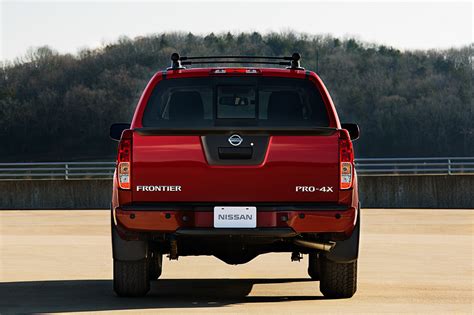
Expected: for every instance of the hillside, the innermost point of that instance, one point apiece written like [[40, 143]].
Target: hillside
[[407, 103]]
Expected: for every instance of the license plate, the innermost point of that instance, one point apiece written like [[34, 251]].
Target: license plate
[[235, 217]]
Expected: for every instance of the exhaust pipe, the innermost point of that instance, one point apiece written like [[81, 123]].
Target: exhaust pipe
[[314, 245], [173, 249]]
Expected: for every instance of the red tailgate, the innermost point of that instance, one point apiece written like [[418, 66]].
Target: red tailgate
[[290, 161]]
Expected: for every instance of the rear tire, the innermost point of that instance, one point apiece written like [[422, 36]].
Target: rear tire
[[155, 265], [313, 266], [338, 280], [131, 278]]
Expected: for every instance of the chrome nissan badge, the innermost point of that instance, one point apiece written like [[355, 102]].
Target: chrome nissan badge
[[235, 140]]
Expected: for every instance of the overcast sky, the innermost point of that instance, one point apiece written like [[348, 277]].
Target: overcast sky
[[68, 26]]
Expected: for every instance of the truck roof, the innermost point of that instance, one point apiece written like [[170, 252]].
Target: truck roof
[[250, 71]]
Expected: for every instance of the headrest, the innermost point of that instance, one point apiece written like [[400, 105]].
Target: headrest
[[284, 106], [186, 105]]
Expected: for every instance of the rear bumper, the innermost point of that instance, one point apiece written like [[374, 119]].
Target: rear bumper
[[195, 220]]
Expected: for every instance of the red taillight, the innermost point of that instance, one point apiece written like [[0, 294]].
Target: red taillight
[[346, 159], [125, 150], [124, 159]]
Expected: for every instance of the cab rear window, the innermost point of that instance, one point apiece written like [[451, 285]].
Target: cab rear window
[[235, 102]]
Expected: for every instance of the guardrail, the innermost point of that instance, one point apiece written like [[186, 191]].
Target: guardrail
[[57, 171], [415, 166], [364, 166]]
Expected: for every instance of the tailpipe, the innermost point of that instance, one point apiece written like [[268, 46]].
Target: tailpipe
[[315, 245]]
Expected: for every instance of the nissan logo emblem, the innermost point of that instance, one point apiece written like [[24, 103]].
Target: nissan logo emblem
[[235, 140]]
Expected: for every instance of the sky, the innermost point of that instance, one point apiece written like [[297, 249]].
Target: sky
[[68, 26]]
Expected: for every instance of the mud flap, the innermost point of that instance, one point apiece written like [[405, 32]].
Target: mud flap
[[348, 250], [127, 250]]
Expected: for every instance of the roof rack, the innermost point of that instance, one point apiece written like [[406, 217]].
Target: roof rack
[[293, 62]]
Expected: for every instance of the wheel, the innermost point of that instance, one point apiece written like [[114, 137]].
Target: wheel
[[155, 265], [131, 277], [313, 266], [338, 280]]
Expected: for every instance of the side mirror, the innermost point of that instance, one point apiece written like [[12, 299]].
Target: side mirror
[[117, 129], [353, 129]]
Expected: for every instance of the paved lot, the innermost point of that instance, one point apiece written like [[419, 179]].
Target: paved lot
[[414, 261]]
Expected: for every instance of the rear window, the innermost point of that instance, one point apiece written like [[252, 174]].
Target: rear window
[[201, 103]]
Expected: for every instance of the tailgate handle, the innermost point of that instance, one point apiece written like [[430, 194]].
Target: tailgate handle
[[244, 153]]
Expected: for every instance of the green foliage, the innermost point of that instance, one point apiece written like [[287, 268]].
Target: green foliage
[[407, 103]]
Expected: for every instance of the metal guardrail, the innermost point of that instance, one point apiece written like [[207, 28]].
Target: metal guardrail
[[56, 171], [364, 166], [415, 166]]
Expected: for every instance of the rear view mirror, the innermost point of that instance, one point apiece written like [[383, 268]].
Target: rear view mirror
[[353, 129], [233, 101], [117, 129]]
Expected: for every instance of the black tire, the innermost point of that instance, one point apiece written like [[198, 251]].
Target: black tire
[[131, 278], [313, 266], [338, 280], [155, 265]]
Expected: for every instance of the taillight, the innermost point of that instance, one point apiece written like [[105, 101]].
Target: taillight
[[346, 158], [124, 160]]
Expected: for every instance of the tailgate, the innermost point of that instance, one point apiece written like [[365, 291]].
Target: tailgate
[[191, 168]]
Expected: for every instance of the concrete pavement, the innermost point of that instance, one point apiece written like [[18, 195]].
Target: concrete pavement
[[412, 261]]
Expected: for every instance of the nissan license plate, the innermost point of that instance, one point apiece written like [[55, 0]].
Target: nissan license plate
[[235, 217]]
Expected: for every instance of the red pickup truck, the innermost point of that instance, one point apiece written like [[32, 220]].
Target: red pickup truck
[[235, 162]]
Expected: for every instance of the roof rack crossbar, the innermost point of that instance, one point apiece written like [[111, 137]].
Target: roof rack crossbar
[[234, 57], [178, 61]]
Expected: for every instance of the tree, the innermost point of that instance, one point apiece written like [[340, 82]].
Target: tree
[[412, 103]]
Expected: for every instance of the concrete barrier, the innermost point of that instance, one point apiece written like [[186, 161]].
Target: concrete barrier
[[55, 194], [443, 191], [375, 192]]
